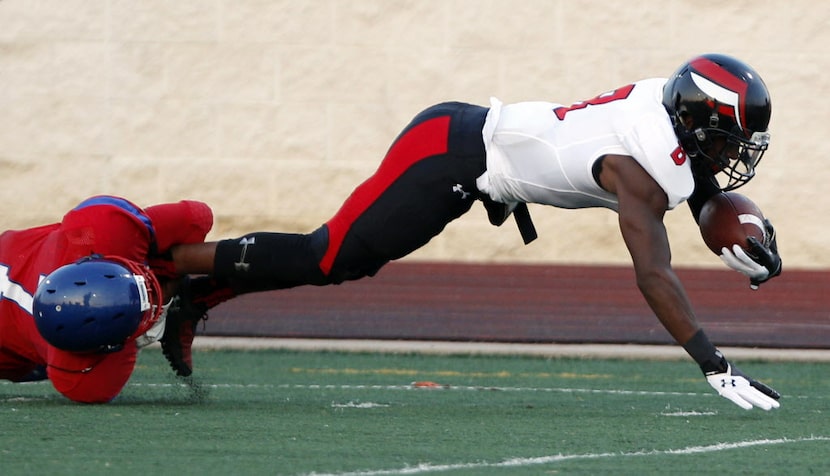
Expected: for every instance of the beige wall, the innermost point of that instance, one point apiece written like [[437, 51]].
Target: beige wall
[[273, 110]]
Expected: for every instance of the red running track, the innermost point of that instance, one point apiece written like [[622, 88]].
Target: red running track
[[532, 303]]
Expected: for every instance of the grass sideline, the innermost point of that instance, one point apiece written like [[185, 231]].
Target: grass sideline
[[602, 351], [326, 412]]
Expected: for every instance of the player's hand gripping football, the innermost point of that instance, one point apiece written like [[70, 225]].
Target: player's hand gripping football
[[760, 263], [741, 389]]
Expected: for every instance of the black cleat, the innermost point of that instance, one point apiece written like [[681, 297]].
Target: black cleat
[[182, 317]]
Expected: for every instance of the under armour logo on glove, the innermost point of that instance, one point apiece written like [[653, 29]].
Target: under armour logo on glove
[[742, 390], [457, 188]]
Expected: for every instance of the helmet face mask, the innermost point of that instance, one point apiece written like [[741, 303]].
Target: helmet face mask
[[729, 154], [720, 110], [96, 304]]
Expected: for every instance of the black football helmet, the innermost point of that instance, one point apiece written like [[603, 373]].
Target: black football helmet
[[720, 109]]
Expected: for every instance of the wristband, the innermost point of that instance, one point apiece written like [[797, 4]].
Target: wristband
[[707, 356]]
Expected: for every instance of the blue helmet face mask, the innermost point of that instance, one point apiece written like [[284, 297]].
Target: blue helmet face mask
[[96, 304]]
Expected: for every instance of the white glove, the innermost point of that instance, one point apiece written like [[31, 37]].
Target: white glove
[[741, 262], [742, 390], [761, 264]]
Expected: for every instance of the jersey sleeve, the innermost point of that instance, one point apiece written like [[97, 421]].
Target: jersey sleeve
[[654, 146], [187, 221], [177, 223]]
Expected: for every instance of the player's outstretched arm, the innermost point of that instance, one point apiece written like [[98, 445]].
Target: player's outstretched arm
[[727, 379], [641, 206], [194, 258]]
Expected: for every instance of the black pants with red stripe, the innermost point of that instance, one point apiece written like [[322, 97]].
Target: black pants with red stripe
[[426, 180]]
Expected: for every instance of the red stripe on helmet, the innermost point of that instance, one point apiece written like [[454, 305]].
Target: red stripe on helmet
[[720, 76]]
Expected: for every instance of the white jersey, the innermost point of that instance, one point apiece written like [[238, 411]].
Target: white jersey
[[541, 152]]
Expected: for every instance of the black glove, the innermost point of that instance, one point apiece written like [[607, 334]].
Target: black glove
[[765, 254]]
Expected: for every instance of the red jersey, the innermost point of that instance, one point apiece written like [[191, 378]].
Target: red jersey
[[103, 225]]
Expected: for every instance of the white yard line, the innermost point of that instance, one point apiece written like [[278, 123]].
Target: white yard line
[[453, 388], [523, 462]]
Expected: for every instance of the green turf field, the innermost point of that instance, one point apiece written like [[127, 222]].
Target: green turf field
[[303, 413]]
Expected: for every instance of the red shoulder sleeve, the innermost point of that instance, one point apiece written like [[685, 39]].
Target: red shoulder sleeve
[[187, 221]]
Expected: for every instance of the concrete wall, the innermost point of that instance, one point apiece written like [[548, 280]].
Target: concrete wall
[[273, 110]]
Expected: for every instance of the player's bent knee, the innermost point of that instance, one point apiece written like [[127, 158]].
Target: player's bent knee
[[92, 378]]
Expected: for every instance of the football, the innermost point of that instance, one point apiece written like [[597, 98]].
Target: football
[[729, 219]]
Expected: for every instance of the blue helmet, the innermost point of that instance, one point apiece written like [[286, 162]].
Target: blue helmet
[[96, 304]]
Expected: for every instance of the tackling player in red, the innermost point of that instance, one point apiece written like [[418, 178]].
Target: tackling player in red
[[79, 297]]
